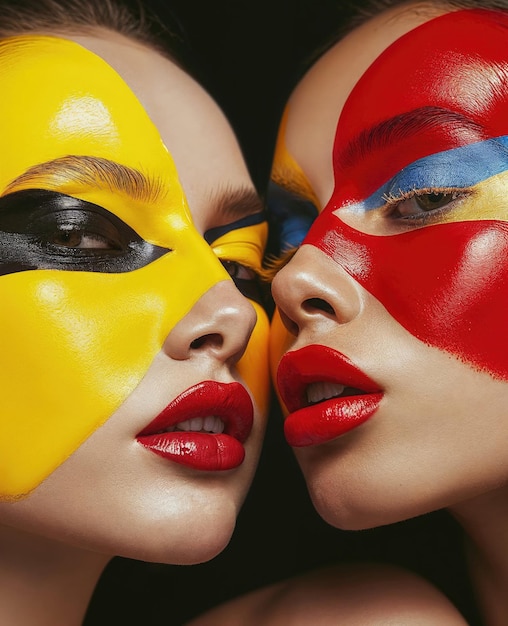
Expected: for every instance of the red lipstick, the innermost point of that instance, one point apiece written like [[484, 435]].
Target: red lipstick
[[313, 368], [201, 450]]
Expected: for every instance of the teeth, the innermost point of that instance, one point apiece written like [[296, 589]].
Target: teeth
[[209, 424], [213, 424], [317, 392]]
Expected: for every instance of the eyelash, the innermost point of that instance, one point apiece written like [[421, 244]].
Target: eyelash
[[78, 233], [275, 264], [41, 229], [234, 267], [393, 203], [252, 287]]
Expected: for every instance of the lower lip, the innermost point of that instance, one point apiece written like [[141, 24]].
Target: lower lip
[[201, 451], [329, 419]]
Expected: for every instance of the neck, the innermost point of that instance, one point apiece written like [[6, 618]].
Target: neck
[[45, 582], [484, 520]]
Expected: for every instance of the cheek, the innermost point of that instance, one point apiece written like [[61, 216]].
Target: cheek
[[280, 341], [74, 346], [446, 284]]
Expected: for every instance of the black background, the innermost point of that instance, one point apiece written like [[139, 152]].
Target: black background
[[249, 55]]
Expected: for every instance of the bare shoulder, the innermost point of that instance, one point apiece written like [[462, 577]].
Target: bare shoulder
[[352, 595]]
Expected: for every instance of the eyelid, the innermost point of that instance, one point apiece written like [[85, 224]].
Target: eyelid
[[152, 220], [33, 250], [243, 245], [392, 200], [243, 266], [452, 210]]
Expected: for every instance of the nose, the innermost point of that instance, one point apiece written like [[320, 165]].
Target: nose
[[313, 292], [218, 325]]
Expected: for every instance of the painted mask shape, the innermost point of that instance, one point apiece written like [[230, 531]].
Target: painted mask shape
[[99, 257], [418, 215]]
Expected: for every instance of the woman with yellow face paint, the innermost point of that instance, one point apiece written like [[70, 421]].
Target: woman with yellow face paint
[[133, 376]]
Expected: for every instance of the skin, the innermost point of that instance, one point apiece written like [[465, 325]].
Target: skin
[[410, 366], [62, 505], [358, 595], [356, 481], [435, 440]]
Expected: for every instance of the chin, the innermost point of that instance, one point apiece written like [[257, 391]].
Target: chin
[[191, 549], [194, 536], [363, 502], [350, 515]]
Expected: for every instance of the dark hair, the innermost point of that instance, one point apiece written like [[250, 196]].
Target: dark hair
[[361, 12], [355, 12], [85, 16]]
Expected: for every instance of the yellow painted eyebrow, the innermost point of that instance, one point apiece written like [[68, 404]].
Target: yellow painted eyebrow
[[294, 181], [91, 171], [287, 173]]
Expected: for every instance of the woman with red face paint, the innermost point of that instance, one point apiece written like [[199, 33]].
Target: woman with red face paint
[[389, 348], [134, 370]]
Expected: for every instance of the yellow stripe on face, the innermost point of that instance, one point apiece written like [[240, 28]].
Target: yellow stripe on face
[[487, 201], [244, 245], [76, 343], [253, 366], [285, 170]]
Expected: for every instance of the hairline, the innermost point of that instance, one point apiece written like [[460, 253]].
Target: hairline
[[357, 15], [96, 18]]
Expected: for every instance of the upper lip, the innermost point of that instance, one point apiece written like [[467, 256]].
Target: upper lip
[[228, 401], [317, 364]]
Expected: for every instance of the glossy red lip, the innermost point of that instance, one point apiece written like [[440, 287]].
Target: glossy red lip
[[198, 449], [311, 424]]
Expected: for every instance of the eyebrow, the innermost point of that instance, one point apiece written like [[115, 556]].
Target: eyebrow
[[93, 171], [243, 206], [393, 130], [236, 203]]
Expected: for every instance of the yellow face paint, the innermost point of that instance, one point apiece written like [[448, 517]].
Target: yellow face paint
[[76, 343], [246, 246], [485, 201], [243, 245], [285, 170]]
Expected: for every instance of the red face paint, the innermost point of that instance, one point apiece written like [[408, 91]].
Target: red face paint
[[445, 283], [440, 86]]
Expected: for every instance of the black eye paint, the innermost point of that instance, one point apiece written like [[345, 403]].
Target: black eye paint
[[42, 229], [213, 234], [251, 287]]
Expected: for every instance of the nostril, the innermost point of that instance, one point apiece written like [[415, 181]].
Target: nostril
[[313, 304], [213, 340]]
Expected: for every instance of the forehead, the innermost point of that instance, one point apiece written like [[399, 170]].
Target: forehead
[[192, 127], [58, 99], [105, 96], [316, 104]]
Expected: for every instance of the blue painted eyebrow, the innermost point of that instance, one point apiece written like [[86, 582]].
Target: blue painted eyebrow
[[458, 168], [249, 220]]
